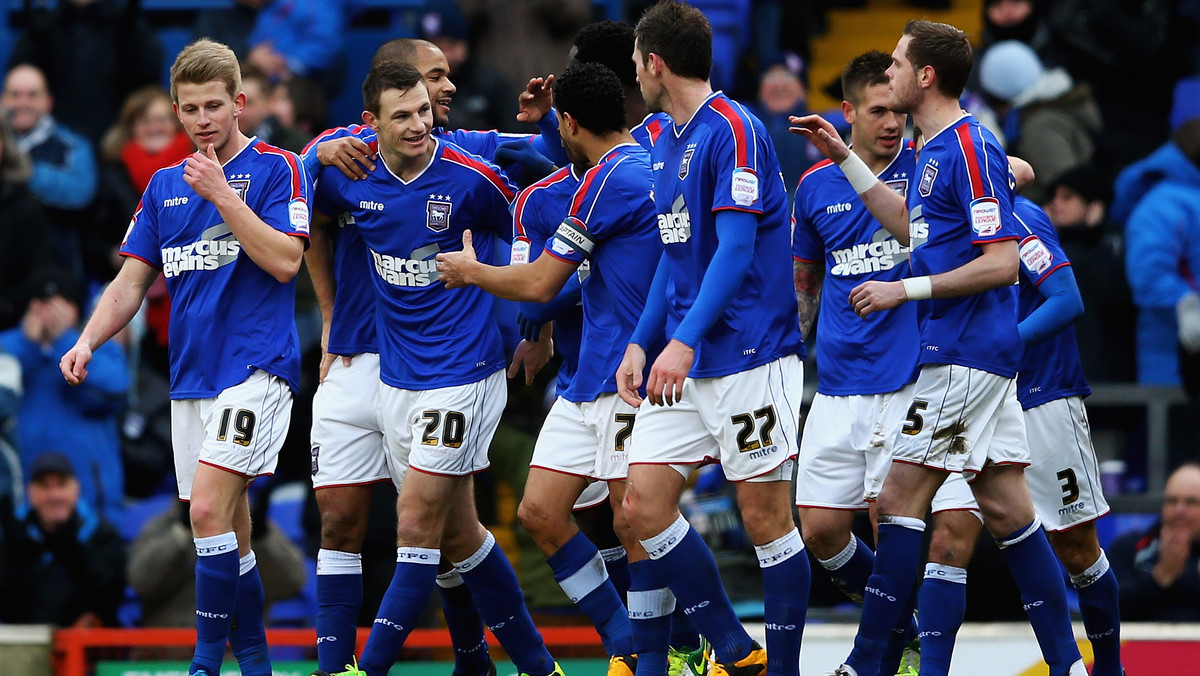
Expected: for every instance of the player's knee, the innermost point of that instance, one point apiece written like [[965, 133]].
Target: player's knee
[[207, 518], [950, 547], [1076, 551], [343, 529], [823, 540], [538, 520]]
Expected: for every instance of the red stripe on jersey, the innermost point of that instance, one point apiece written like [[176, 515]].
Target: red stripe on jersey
[[129, 255], [267, 149], [968, 146], [353, 129], [487, 172], [519, 208], [726, 110], [654, 129], [584, 186], [819, 165]]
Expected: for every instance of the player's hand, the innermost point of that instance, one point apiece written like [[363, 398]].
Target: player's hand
[[453, 266], [327, 363], [522, 154], [821, 133], [629, 374], [533, 356], [529, 328], [74, 363], [871, 297], [350, 155], [204, 174], [665, 385], [534, 103]]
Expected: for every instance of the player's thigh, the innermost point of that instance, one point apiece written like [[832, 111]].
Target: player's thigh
[[1063, 478], [673, 436], [612, 422], [566, 444], [754, 417], [347, 440]]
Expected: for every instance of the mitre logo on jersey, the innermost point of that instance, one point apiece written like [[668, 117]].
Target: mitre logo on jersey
[[985, 216], [928, 176], [1036, 257], [883, 252], [675, 227], [419, 269], [216, 247], [240, 184], [437, 213], [686, 161]]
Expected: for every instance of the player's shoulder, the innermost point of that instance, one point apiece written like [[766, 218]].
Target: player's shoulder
[[359, 131], [650, 129], [472, 167], [274, 155], [167, 177], [1034, 218], [818, 174]]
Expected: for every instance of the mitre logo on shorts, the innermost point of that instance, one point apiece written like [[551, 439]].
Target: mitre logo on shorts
[[216, 247], [675, 227], [744, 187], [418, 270], [985, 216], [1036, 257], [883, 252]]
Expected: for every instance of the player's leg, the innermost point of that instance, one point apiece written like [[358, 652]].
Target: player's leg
[[942, 600], [1064, 482], [593, 513], [344, 512]]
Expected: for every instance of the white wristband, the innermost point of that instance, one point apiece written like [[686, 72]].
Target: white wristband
[[918, 288], [857, 172]]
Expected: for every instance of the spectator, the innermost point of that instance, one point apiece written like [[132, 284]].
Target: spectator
[[164, 547], [11, 488], [60, 562], [23, 220], [300, 105], [1159, 569], [64, 166], [146, 137], [1162, 250], [300, 39], [229, 25], [94, 53], [80, 422], [781, 93], [1018, 20], [258, 119], [1048, 119], [1096, 248]]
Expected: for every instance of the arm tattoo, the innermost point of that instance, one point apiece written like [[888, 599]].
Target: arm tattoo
[[808, 277]]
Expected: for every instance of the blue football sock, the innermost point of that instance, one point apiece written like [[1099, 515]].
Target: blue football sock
[[685, 561], [579, 570], [943, 605], [248, 633], [1098, 594], [850, 568], [616, 561], [902, 634], [650, 606], [339, 600], [216, 598], [471, 655], [401, 608], [683, 632], [498, 596], [897, 564], [786, 581], [1035, 570]]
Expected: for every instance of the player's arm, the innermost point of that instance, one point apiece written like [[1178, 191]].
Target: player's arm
[[117, 306], [886, 205], [537, 282], [808, 276], [276, 252], [1022, 171], [319, 259], [1063, 305], [532, 316]]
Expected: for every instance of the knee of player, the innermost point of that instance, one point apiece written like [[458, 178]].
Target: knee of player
[[207, 518], [539, 520], [1076, 550], [822, 540], [343, 530], [952, 546]]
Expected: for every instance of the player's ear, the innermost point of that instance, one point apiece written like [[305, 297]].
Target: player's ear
[[848, 112], [369, 119], [239, 103]]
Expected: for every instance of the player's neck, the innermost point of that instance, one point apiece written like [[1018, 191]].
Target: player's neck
[[237, 141], [404, 166], [683, 97], [876, 163], [596, 147], [935, 114]]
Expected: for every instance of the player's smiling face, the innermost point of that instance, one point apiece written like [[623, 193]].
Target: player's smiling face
[[403, 124], [432, 64], [902, 79], [876, 128], [207, 112]]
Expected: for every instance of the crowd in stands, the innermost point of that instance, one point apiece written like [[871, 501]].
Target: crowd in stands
[[1103, 103]]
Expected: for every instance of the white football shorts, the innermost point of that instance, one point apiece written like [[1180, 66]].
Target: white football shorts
[[347, 432], [587, 439]]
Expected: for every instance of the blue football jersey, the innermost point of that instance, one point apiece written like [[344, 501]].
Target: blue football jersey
[[228, 316], [646, 134], [1050, 369], [877, 354], [538, 211], [962, 200], [723, 159], [429, 336], [611, 226]]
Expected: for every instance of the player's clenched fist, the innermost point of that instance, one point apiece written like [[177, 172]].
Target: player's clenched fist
[[629, 374], [74, 364], [871, 297]]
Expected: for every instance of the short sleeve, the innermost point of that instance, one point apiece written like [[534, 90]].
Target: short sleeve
[[285, 204], [735, 153], [983, 181], [1041, 254], [141, 238]]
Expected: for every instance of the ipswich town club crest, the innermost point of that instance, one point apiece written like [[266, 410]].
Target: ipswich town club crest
[[240, 184], [437, 215], [685, 163], [928, 176]]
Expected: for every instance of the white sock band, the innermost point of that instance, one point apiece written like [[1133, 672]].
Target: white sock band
[[939, 571], [858, 173], [660, 545], [418, 555], [246, 563], [777, 551], [1033, 528], [1093, 573], [479, 555], [585, 580], [449, 580], [918, 288], [644, 605], [613, 554], [841, 558], [216, 544], [909, 522], [333, 562]]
